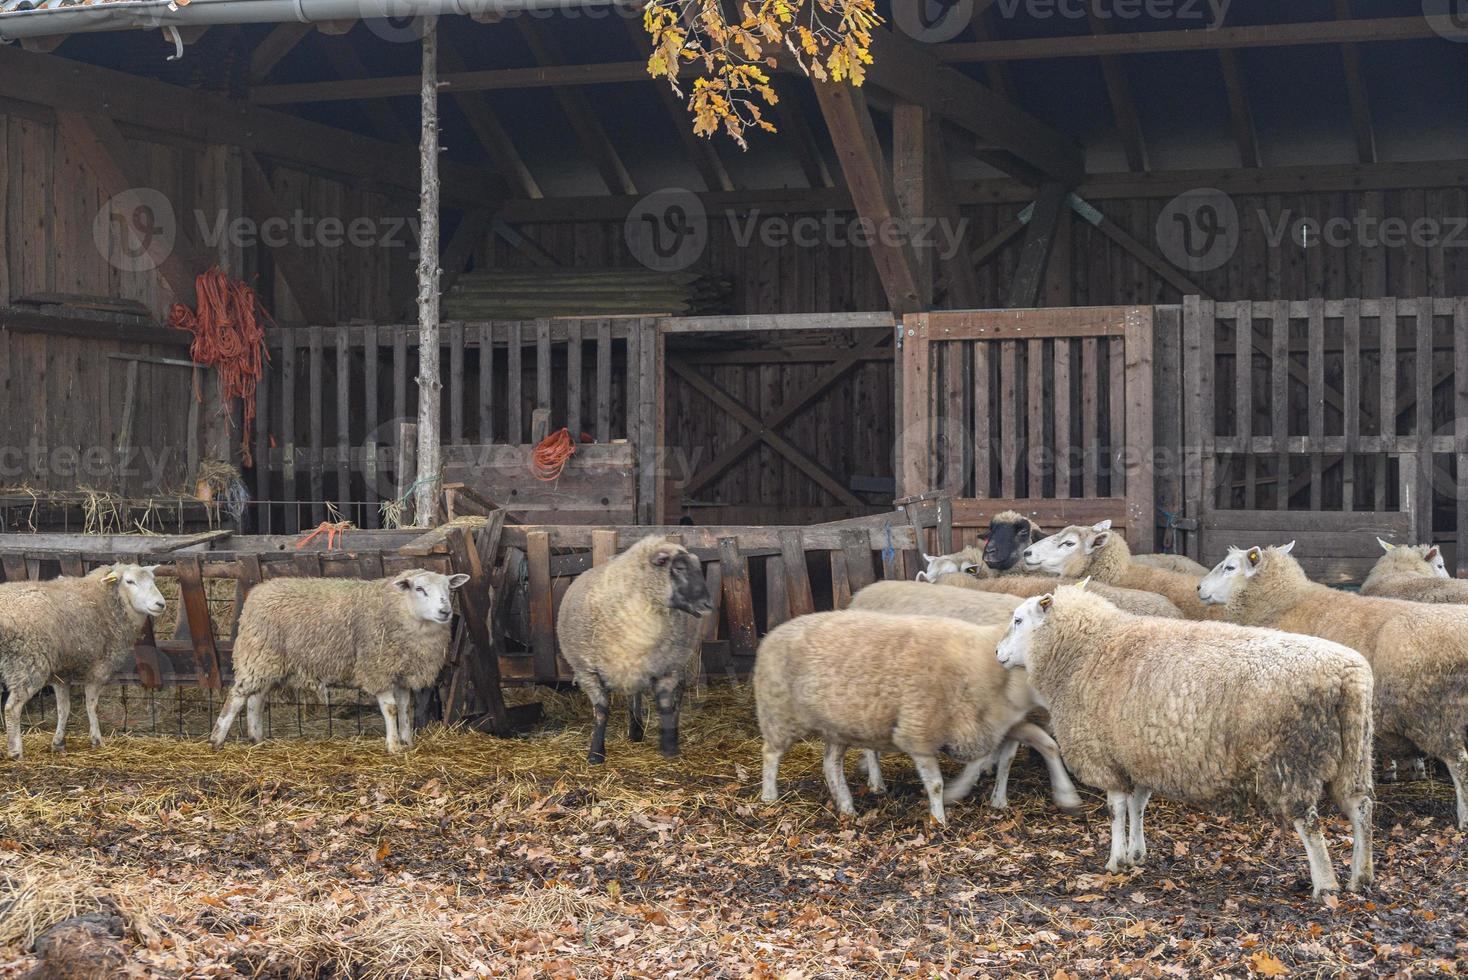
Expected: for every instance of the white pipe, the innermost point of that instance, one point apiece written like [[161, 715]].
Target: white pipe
[[154, 14]]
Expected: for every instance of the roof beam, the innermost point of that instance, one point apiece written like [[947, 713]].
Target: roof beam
[[488, 129], [796, 128], [1123, 106], [148, 104], [1356, 91], [277, 44], [579, 113], [1240, 114], [701, 151]]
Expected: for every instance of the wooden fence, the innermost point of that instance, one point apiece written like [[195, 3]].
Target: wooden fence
[[1323, 407], [1048, 412]]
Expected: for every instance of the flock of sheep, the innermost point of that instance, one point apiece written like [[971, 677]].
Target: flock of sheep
[[1139, 674]]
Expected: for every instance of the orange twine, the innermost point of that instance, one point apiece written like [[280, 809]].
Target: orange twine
[[228, 336], [330, 530], [551, 455]]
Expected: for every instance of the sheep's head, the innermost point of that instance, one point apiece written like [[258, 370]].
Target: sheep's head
[[428, 593], [1010, 533], [1029, 616], [1232, 574], [686, 588], [940, 565], [137, 588], [1425, 560], [1051, 555]]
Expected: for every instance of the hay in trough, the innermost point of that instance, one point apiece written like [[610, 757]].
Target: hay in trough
[[475, 856]]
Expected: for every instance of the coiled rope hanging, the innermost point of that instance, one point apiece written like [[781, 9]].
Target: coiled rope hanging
[[551, 454], [229, 335]]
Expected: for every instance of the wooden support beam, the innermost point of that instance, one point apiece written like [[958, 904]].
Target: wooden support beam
[[1123, 105], [1361, 123], [920, 178], [99, 143], [277, 44], [430, 451], [488, 130], [997, 73], [746, 417], [1050, 210], [583, 118], [796, 128], [855, 139], [703, 152], [149, 105], [1240, 114], [1149, 258], [291, 260]]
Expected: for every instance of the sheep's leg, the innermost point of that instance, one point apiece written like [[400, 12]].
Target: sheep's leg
[[1116, 802], [932, 777], [13, 706], [668, 691], [1061, 788], [93, 693], [1004, 758], [226, 718], [1458, 769], [835, 769], [769, 785], [872, 763], [255, 717], [1136, 809], [600, 698], [964, 784], [404, 698], [1363, 871], [63, 713], [1322, 875], [387, 703], [634, 718]]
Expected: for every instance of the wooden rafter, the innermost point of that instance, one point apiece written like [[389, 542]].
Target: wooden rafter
[[997, 73], [583, 119], [1240, 114], [764, 432], [1050, 210], [488, 129], [796, 129], [1123, 104], [920, 178], [701, 151], [855, 138], [291, 260], [344, 60], [105, 151], [1356, 91], [271, 51]]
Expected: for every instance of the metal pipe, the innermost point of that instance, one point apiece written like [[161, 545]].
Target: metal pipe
[[123, 15]]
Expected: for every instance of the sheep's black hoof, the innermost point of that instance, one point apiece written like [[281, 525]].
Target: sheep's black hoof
[[669, 751], [596, 758]]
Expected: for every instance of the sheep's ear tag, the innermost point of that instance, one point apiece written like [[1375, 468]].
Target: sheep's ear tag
[[110, 578], [1385, 545], [1254, 556], [1083, 583], [1046, 600]]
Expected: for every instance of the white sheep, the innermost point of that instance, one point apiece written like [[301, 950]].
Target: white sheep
[[1202, 712], [387, 637], [71, 630], [1101, 554], [1416, 572], [912, 684], [632, 624], [1418, 651], [1134, 601]]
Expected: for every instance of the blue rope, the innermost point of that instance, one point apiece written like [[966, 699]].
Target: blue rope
[[1171, 526], [889, 552]]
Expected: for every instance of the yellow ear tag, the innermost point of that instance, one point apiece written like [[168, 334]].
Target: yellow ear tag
[[1083, 583], [1254, 556], [110, 578], [1046, 600]]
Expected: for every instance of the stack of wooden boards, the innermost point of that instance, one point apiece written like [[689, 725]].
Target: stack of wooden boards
[[517, 294]]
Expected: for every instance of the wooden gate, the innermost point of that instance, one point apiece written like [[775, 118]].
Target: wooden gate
[[1048, 412], [1294, 429]]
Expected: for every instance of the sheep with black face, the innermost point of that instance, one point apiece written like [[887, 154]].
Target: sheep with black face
[[1010, 533], [634, 624]]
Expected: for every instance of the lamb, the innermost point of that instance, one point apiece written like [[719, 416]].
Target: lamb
[[1201, 712], [1417, 652], [1010, 532], [71, 630], [871, 680], [1416, 572], [387, 637], [1134, 601], [1101, 554], [630, 624]]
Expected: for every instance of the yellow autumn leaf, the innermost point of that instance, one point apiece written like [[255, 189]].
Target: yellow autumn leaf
[[1267, 966]]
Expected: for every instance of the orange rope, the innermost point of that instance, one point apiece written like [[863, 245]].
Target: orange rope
[[551, 455], [230, 337], [330, 530]]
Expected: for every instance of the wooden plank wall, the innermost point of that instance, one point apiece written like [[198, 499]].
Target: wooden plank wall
[[67, 424], [1092, 271]]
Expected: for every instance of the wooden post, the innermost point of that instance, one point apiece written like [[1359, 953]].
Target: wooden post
[[425, 510]]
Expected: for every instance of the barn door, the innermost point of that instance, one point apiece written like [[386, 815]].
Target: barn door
[[1047, 411]]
